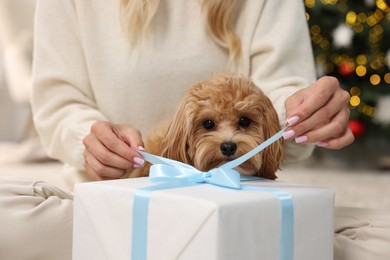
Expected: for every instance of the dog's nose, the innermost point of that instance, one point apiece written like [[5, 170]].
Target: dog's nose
[[228, 148]]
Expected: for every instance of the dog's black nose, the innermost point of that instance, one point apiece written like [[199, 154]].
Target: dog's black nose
[[228, 148]]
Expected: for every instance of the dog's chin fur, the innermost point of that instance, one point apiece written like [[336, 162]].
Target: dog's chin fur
[[224, 99]]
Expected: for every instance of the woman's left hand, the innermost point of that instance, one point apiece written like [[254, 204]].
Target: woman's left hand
[[320, 114]]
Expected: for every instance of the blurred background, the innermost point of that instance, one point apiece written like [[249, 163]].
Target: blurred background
[[350, 40]]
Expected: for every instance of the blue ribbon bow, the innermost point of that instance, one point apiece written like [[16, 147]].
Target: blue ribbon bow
[[167, 170], [173, 174]]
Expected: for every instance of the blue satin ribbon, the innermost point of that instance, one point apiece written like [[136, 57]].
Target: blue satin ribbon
[[170, 174]]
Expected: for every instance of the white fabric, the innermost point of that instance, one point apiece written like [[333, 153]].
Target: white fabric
[[35, 220], [85, 71], [362, 234]]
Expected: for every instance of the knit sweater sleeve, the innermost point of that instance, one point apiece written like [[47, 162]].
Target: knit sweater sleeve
[[62, 100], [281, 59]]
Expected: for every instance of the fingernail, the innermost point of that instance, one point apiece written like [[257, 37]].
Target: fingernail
[[292, 121], [301, 139], [322, 144], [137, 166], [288, 134], [141, 148], [138, 161]]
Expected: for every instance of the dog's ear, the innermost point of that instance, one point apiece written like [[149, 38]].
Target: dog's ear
[[273, 154], [174, 144]]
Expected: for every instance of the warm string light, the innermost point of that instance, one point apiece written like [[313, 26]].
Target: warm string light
[[329, 2], [387, 78], [355, 103]]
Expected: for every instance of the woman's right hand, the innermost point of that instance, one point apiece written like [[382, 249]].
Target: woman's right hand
[[110, 150]]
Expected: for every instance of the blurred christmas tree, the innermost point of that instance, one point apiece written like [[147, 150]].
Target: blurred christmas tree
[[351, 41]]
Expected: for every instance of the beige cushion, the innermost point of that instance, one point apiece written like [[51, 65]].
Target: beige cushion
[[362, 234], [35, 221]]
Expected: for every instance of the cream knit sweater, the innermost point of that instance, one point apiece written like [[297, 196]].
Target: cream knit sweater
[[85, 71]]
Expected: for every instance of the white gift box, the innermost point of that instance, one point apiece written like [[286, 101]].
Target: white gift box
[[201, 221]]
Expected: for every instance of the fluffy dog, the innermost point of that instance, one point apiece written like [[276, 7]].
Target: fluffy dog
[[220, 119]]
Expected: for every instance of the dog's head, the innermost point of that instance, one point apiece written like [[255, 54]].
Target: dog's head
[[221, 119]]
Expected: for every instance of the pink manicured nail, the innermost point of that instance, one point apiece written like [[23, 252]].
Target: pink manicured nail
[[138, 161], [322, 144], [301, 139], [141, 148], [292, 121], [288, 134]]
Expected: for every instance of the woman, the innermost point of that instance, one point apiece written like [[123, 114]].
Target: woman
[[106, 72]]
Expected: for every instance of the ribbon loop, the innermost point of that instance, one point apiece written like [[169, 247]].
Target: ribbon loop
[[228, 178], [166, 173]]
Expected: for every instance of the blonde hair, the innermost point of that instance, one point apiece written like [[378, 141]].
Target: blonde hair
[[137, 16]]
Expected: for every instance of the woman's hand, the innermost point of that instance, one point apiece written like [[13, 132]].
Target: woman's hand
[[319, 113], [109, 150]]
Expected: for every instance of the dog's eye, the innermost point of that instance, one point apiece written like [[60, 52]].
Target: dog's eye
[[208, 124], [244, 122]]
